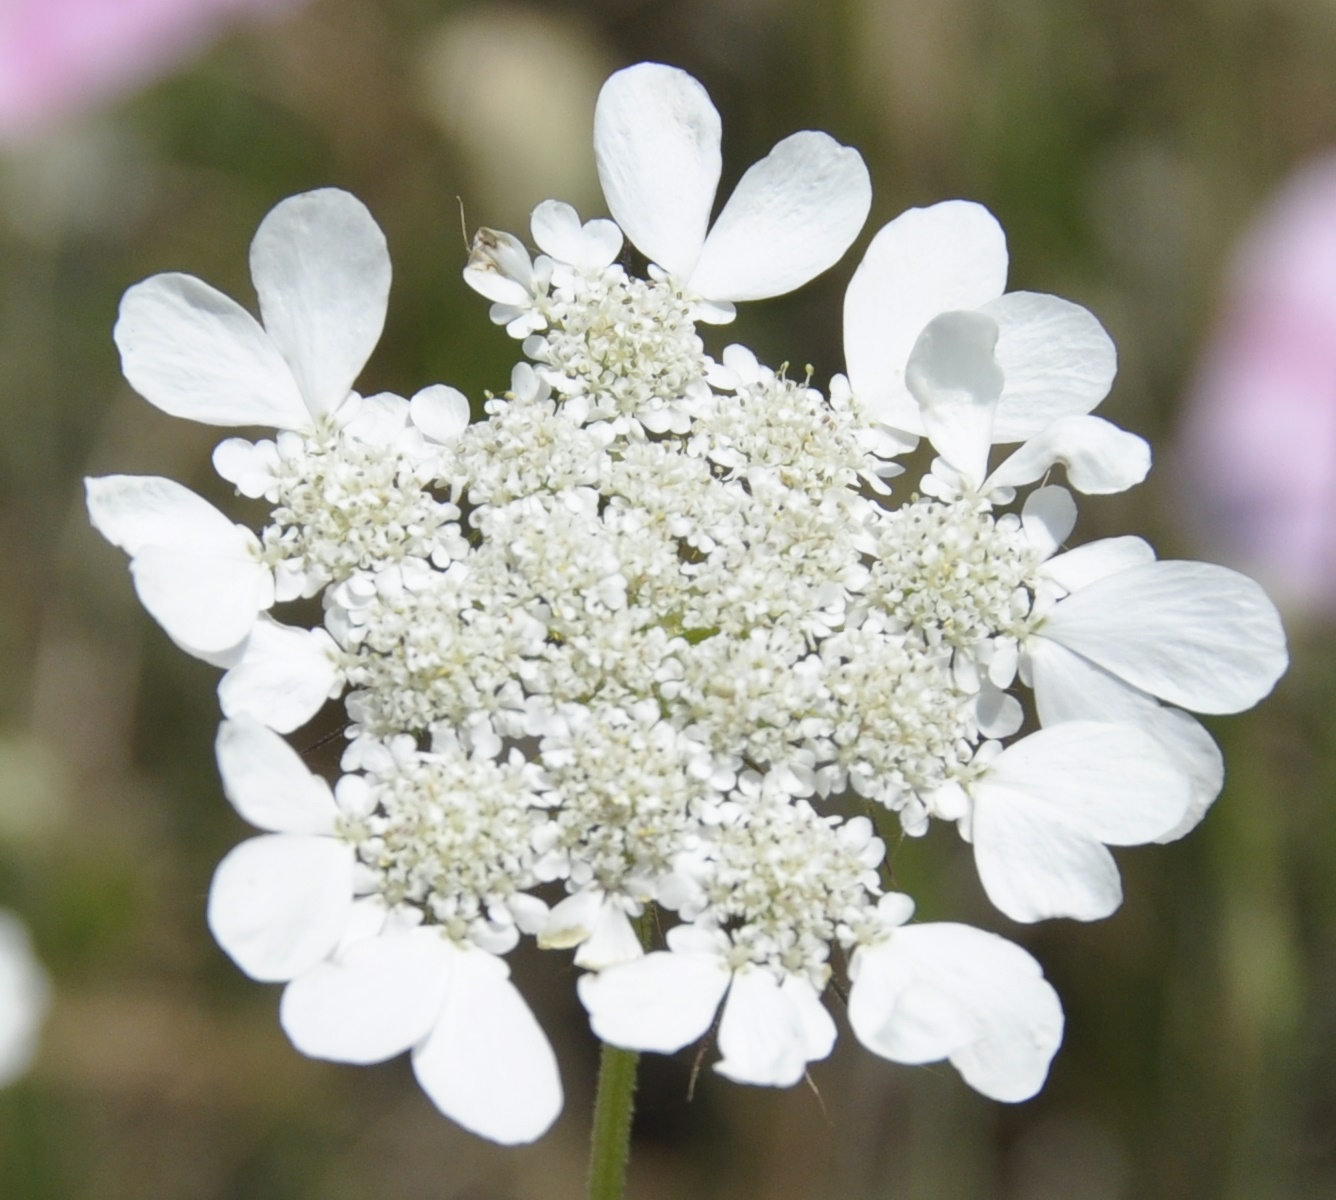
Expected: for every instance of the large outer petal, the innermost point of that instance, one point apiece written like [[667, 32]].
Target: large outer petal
[[1034, 868], [1058, 360], [1100, 458], [926, 262], [1107, 781], [951, 991], [955, 379], [280, 903], [792, 215], [134, 511], [206, 602], [487, 1063], [194, 353], [1194, 634], [267, 782], [284, 677], [196, 572], [375, 1000], [770, 1030], [661, 1002], [322, 272], [1068, 687], [1075, 569], [656, 140]]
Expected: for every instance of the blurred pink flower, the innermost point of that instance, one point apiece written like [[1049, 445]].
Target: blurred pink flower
[[1258, 443], [58, 56]]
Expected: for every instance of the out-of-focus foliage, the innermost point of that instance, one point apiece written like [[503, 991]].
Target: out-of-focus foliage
[[1122, 143]]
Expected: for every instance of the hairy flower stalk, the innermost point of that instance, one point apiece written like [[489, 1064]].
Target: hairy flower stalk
[[655, 632]]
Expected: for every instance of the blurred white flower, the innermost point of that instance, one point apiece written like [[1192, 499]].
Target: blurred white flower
[[24, 995]]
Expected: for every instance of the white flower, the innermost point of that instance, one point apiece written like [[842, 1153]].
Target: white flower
[[792, 215], [1056, 359], [283, 676], [632, 642], [1044, 810], [1128, 630], [773, 1024], [1194, 634], [922, 993], [956, 378], [365, 983], [322, 273], [24, 996], [199, 575]]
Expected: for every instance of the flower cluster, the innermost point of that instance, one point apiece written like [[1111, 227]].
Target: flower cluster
[[649, 646]]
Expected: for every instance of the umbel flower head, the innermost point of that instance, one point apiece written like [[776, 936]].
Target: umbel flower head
[[654, 635]]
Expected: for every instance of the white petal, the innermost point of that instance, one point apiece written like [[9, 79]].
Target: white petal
[[440, 412], [950, 991], [998, 713], [926, 262], [207, 603], [898, 1013], [196, 572], [603, 242], [1077, 568], [660, 1002], [792, 215], [280, 903], [558, 232], [956, 381], [284, 677], [1195, 634], [768, 1032], [1048, 518], [322, 272], [656, 140], [572, 920], [817, 1024], [1107, 781], [1057, 358], [1100, 458], [192, 352], [487, 1063], [373, 1001], [252, 466], [134, 511], [1068, 687], [1034, 868], [376, 420], [501, 290], [612, 941], [25, 994], [267, 782]]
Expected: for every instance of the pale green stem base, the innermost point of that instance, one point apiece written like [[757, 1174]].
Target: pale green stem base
[[610, 1146]]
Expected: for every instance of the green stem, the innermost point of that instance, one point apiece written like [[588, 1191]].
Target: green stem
[[610, 1146]]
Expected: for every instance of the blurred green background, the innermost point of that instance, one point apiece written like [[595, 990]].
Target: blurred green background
[[1124, 145]]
